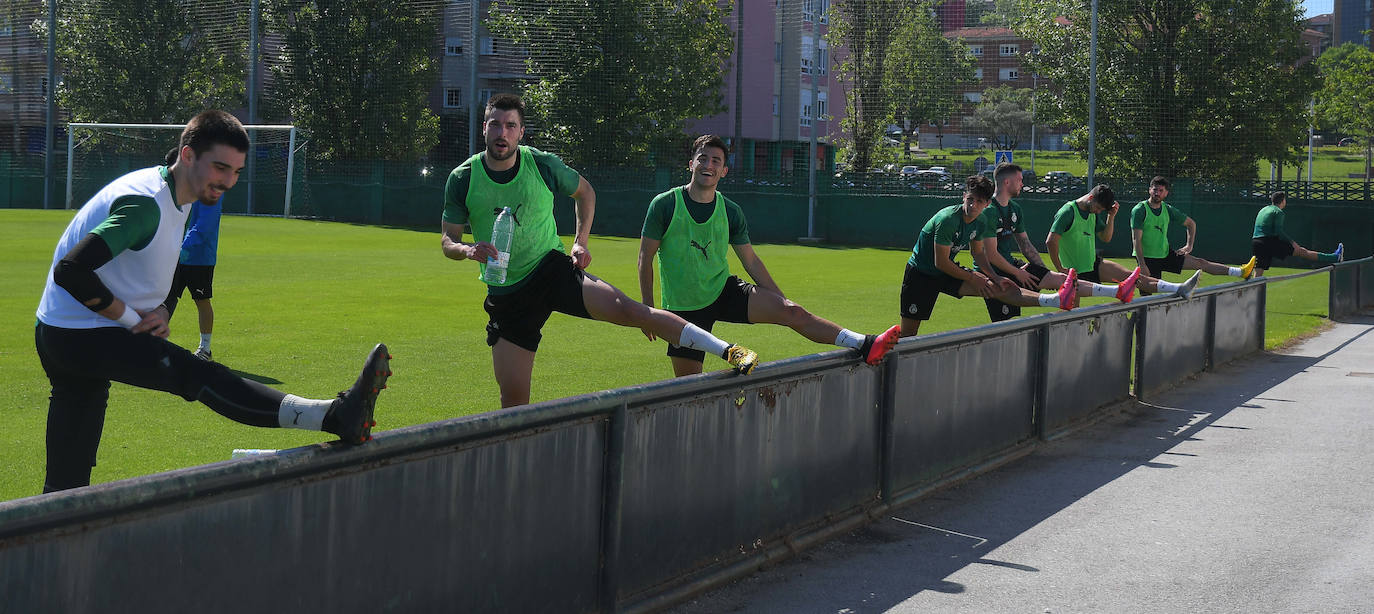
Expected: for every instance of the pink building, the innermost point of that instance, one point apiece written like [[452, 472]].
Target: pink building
[[780, 58]]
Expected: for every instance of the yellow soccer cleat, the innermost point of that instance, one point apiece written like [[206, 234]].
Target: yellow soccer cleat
[[1248, 269], [743, 358]]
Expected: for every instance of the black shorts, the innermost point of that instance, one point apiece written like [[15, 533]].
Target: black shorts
[[731, 306], [199, 279], [554, 285], [920, 290], [997, 310], [1172, 263], [1268, 249], [1093, 275]]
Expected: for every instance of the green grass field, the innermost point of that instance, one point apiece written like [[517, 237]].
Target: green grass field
[[299, 303]]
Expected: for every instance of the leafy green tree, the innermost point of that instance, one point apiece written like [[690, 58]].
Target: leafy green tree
[[924, 70], [897, 67], [1346, 100], [617, 79], [1003, 116], [1201, 88], [152, 61], [356, 75]]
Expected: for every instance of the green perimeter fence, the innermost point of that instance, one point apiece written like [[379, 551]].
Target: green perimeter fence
[[876, 209]]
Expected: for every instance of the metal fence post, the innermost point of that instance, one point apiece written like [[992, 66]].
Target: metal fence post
[[1040, 406], [1210, 349], [612, 502], [887, 411], [1141, 323]]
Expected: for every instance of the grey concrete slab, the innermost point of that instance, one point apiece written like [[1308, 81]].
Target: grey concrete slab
[[1247, 489]]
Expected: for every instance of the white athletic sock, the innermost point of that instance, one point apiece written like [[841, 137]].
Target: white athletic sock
[[298, 413], [849, 339], [1167, 286], [1105, 290], [204, 341], [1234, 271], [1049, 300], [694, 337]]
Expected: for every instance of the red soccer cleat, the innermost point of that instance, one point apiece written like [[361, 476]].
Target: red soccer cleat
[[1068, 292], [1127, 287], [876, 347]]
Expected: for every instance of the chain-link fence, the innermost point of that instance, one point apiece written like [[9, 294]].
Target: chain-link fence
[[887, 97]]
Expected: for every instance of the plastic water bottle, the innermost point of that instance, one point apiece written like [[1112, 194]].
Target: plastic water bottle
[[502, 235]]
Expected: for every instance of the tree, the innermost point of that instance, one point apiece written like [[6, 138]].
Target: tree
[[1003, 116], [866, 30], [1346, 99], [153, 61], [923, 71], [356, 75], [618, 79], [1201, 88]]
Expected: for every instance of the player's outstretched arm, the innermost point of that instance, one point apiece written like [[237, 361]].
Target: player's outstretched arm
[[1190, 226], [455, 249], [1138, 246], [754, 267], [1029, 250], [648, 248], [585, 197], [1002, 267], [1052, 246]]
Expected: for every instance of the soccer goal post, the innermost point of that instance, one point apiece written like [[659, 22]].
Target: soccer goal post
[[97, 153]]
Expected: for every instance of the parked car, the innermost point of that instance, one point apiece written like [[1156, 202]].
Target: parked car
[[1061, 176], [909, 170], [1346, 142], [930, 179]]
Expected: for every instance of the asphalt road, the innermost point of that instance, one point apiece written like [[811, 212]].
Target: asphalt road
[[1248, 489]]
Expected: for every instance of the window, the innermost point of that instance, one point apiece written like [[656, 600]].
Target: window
[[6, 84], [807, 53], [488, 46], [453, 45], [824, 59], [975, 51], [805, 119], [973, 96], [978, 74], [822, 106], [484, 95], [775, 106], [1009, 74], [809, 10], [453, 98], [1007, 51], [825, 11]]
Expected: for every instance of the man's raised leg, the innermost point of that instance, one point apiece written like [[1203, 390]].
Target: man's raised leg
[[769, 307], [607, 303]]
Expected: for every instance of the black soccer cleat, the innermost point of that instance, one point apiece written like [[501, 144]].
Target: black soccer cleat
[[351, 415]]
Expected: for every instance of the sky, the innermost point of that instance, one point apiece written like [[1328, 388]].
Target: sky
[[1317, 7]]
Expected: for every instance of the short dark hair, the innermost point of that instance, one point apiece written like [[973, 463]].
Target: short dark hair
[[1160, 181], [1102, 194], [507, 102], [1278, 197], [709, 140], [214, 127], [171, 157], [1005, 170], [979, 187]]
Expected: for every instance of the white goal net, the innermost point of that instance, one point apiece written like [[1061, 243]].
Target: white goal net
[[97, 153]]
